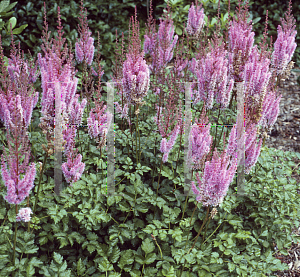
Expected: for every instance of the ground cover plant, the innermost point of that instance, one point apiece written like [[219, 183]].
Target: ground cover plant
[[176, 181]]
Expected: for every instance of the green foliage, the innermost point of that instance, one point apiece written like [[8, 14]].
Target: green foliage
[[86, 232], [276, 10], [257, 13], [6, 27], [104, 17]]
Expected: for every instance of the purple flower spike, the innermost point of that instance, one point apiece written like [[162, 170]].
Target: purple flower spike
[[86, 51], [136, 79], [73, 169], [213, 79], [167, 146], [216, 180], [284, 46], [252, 150], [17, 190], [200, 141], [195, 20], [163, 145]]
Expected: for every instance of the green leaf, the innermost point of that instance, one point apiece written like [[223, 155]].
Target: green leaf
[[139, 259], [3, 5], [213, 21], [148, 246], [256, 20], [105, 265], [115, 254], [19, 30], [13, 22], [150, 258], [126, 258], [178, 31]]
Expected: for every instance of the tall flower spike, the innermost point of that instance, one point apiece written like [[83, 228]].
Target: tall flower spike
[[160, 44], [215, 181], [84, 49], [16, 105], [256, 78], [200, 142], [136, 79], [167, 146], [284, 48], [241, 41], [252, 149], [195, 20], [73, 168], [212, 77]]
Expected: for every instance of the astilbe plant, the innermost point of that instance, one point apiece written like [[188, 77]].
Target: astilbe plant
[[17, 103], [18, 99], [160, 45], [216, 73], [213, 79], [245, 65], [52, 72], [136, 75]]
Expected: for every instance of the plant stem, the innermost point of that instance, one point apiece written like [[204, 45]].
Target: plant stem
[[196, 237], [39, 185], [159, 175], [15, 239], [187, 197]]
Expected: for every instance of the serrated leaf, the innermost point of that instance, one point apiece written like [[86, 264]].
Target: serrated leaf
[[127, 258], [105, 265], [150, 258], [148, 246], [81, 268], [57, 257], [115, 254]]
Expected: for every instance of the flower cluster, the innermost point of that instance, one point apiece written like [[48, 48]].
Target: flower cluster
[[195, 21], [136, 79], [246, 64], [285, 45], [99, 124], [24, 215], [216, 179], [166, 147], [160, 45], [213, 79], [200, 142], [58, 79], [241, 41], [16, 110]]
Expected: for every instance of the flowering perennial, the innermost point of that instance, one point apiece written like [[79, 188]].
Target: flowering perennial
[[16, 108]]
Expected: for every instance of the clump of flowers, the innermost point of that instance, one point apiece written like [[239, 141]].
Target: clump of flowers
[[24, 215]]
